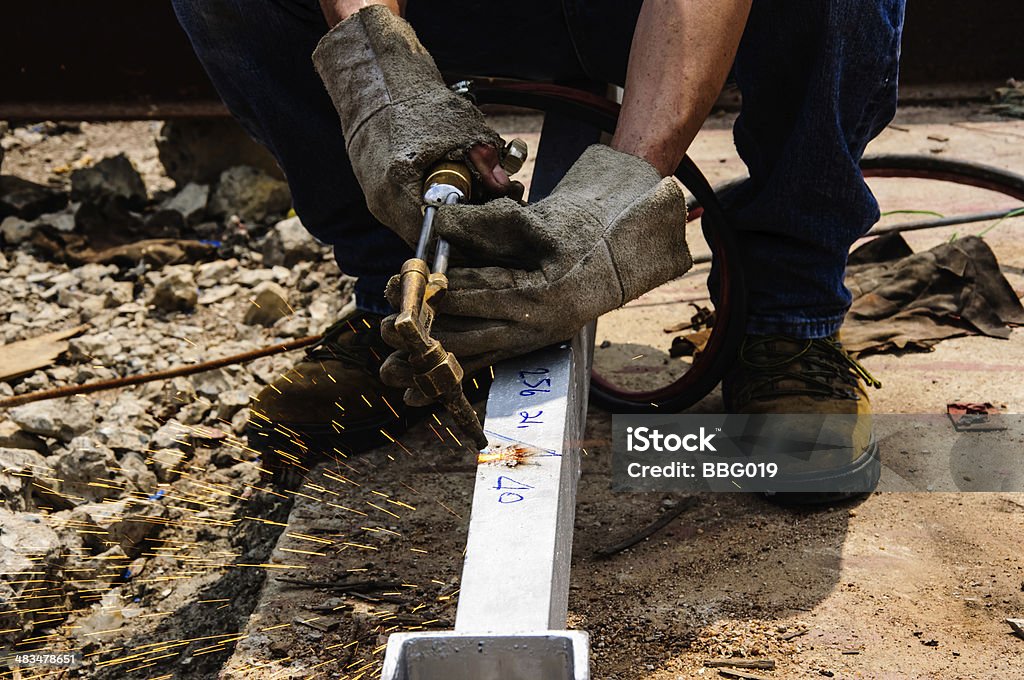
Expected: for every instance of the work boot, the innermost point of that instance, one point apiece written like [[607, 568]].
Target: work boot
[[828, 455], [330, 404]]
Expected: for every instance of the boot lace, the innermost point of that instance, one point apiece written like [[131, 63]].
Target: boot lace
[[826, 370]]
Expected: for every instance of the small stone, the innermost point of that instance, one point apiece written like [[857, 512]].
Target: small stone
[[172, 435], [136, 470], [240, 422], [105, 621], [199, 150], [165, 224], [194, 413], [16, 230], [127, 523], [36, 381], [96, 348], [93, 574], [190, 202], [223, 458], [230, 402], [28, 200], [123, 438], [108, 215], [88, 470], [211, 384], [288, 243], [57, 419], [218, 293], [30, 554], [119, 293], [216, 272], [269, 303], [176, 291], [13, 437], [61, 221], [251, 194], [18, 468], [253, 277], [94, 277], [168, 464], [111, 177]]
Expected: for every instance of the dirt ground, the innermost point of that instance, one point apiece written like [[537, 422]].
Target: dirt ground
[[900, 585]]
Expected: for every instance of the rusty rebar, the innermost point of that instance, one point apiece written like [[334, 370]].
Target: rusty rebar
[[103, 385]]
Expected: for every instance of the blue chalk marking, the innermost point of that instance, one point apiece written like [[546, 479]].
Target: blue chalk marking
[[550, 452]]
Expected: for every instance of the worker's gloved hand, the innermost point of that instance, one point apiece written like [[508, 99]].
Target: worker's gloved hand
[[398, 117], [611, 230]]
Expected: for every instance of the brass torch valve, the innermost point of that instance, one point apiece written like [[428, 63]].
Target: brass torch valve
[[437, 373]]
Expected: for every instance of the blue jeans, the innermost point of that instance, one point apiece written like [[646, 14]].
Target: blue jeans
[[818, 81]]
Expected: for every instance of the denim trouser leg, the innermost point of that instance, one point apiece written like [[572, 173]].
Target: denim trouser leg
[[818, 81], [258, 56]]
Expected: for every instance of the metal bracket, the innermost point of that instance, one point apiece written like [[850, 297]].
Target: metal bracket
[[515, 579]]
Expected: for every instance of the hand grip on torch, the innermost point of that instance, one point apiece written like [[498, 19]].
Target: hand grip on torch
[[436, 372]]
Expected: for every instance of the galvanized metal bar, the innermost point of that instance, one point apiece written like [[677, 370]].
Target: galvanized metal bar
[[515, 577]]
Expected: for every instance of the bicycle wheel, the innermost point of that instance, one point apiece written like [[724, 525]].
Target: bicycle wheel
[[709, 366]]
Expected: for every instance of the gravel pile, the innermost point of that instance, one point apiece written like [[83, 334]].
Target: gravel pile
[[120, 508]]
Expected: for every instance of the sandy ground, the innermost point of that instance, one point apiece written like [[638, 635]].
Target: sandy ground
[[901, 585]]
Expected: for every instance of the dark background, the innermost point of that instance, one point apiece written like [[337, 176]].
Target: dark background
[[129, 59]]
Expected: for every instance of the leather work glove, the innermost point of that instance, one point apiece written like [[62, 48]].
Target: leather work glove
[[398, 117], [611, 230]]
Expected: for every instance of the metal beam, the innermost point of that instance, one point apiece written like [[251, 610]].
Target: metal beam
[[516, 574], [515, 581]]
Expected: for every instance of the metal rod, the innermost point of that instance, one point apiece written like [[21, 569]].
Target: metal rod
[[942, 222], [441, 257], [918, 226], [426, 233], [89, 388]]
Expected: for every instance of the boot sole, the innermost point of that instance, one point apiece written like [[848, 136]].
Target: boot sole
[[856, 480]]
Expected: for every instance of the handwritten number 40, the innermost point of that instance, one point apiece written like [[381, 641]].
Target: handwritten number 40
[[504, 484]]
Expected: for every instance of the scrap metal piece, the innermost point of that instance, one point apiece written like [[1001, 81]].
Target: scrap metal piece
[[971, 417]]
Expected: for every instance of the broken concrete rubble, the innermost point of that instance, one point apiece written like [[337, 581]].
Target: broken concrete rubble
[[190, 202], [88, 470], [13, 437], [28, 200], [199, 150], [251, 194], [18, 470], [54, 418], [175, 291], [30, 553], [269, 304], [288, 243], [113, 177], [125, 523]]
